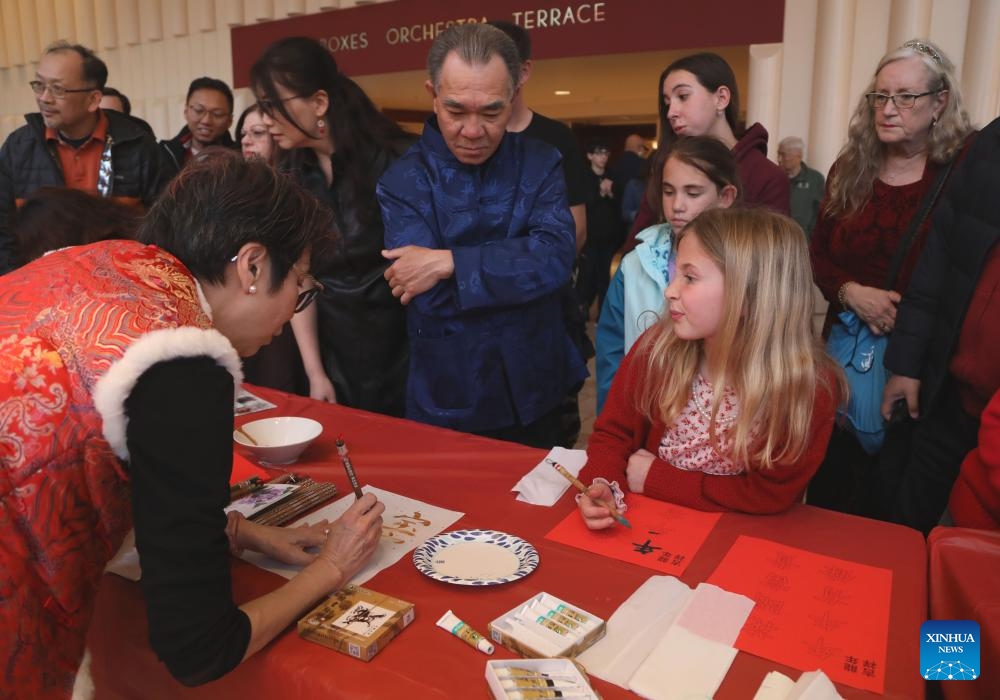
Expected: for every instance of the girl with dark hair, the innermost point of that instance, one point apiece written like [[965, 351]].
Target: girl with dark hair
[[690, 176], [354, 343], [698, 96]]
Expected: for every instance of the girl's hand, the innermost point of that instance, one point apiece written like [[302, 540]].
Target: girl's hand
[[594, 506], [638, 469], [874, 306]]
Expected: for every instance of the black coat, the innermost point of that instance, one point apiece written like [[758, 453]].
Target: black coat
[[362, 327], [28, 163], [965, 227], [174, 151]]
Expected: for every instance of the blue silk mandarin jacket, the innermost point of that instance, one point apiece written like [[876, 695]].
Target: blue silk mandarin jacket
[[488, 348]]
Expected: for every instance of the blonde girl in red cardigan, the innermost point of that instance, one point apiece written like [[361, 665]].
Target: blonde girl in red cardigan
[[728, 403]]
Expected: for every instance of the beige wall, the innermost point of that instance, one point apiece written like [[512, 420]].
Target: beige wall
[[807, 86]]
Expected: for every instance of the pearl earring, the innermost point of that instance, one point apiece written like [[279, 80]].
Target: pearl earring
[[252, 289], [321, 125]]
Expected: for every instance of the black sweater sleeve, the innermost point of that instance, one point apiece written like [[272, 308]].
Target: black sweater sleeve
[[180, 423]]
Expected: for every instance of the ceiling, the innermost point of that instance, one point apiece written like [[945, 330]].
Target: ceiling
[[610, 89]]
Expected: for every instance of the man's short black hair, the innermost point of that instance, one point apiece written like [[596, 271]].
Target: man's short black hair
[[111, 92], [598, 144], [518, 34], [95, 72], [206, 83]]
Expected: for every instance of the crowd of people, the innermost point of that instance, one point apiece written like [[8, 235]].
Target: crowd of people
[[432, 278]]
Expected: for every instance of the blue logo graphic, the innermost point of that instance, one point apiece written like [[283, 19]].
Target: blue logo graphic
[[949, 650]]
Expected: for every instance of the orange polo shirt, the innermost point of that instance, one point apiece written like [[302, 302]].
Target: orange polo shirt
[[80, 166]]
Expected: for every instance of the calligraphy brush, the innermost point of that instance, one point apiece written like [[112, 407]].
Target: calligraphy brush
[[583, 489], [348, 467]]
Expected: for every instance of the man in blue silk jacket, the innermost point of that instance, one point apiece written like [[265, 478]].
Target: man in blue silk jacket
[[479, 229]]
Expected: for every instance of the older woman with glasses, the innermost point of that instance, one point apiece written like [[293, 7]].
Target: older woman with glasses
[[254, 137], [354, 342], [908, 127], [118, 366]]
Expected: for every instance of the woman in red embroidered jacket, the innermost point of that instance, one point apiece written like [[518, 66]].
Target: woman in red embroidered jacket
[[727, 404], [118, 367]]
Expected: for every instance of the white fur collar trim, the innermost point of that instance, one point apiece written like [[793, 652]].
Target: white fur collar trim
[[156, 346]]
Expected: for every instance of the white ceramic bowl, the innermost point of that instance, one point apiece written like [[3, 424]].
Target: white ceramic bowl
[[279, 440]]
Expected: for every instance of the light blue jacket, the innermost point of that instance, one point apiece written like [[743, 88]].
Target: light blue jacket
[[633, 302]]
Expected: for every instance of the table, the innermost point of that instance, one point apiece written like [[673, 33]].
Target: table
[[474, 475]]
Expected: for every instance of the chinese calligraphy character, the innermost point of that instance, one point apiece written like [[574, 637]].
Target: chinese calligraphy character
[[363, 615], [763, 629], [664, 558], [821, 650], [766, 603], [777, 582], [826, 622], [869, 668], [851, 664], [784, 561], [645, 548], [404, 527], [838, 574], [832, 595], [677, 560]]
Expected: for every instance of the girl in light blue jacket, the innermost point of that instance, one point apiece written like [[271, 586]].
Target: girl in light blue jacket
[[693, 175]]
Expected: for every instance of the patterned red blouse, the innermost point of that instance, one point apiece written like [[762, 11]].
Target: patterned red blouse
[[859, 248]]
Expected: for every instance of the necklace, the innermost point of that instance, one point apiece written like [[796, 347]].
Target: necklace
[[705, 411]]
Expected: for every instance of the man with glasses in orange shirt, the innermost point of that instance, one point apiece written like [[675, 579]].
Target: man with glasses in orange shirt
[[209, 114], [72, 142]]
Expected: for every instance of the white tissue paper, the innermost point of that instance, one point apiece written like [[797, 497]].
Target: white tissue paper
[[715, 614], [683, 665], [635, 628], [543, 485], [812, 685]]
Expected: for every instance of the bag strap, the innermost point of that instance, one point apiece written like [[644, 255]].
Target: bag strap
[[907, 241]]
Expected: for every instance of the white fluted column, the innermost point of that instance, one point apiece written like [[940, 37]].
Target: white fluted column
[[980, 77], [176, 17], [763, 99], [65, 19], [127, 15], [29, 29], [151, 21], [949, 26], [831, 80], [86, 23], [910, 19], [12, 32], [107, 26], [289, 8], [45, 16], [201, 15], [228, 13], [258, 11], [797, 60]]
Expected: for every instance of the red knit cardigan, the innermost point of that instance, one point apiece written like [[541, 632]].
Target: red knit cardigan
[[620, 430]]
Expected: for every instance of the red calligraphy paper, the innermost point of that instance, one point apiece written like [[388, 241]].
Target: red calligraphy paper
[[664, 536], [811, 611]]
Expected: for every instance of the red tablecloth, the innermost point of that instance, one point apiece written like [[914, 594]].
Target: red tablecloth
[[475, 475], [965, 585]]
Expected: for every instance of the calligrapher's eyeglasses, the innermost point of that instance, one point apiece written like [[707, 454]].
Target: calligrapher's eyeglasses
[[904, 100], [256, 133], [309, 295], [268, 107], [200, 111], [58, 92]]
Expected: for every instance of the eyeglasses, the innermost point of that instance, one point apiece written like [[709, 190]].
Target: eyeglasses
[[266, 106], [214, 114], [307, 297], [58, 92], [256, 133], [904, 100]]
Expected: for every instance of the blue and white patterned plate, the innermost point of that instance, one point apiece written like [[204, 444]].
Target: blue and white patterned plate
[[475, 557]]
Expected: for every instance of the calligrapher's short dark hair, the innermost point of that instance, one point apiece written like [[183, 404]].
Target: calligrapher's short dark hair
[[206, 83], [112, 92], [476, 45], [220, 202], [95, 71], [56, 217]]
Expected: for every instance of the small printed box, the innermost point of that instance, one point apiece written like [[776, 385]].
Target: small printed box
[[356, 621], [532, 678], [545, 626]]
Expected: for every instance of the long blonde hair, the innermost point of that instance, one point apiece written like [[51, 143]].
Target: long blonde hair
[[858, 162], [767, 350]]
